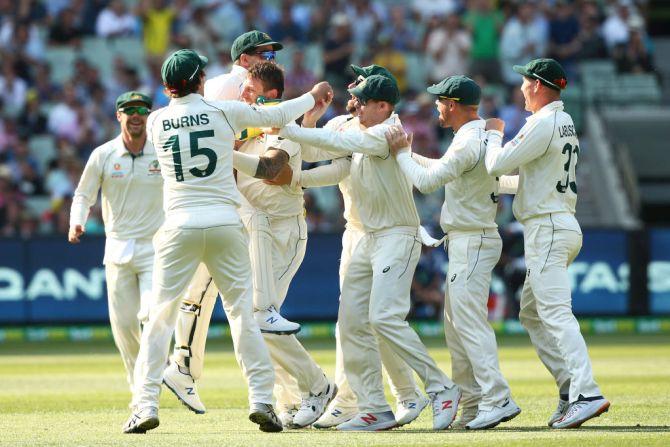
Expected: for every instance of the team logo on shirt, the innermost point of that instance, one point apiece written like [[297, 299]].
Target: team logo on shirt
[[517, 139], [118, 173], [154, 168]]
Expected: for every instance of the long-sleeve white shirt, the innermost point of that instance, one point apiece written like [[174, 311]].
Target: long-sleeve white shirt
[[380, 192], [545, 151], [470, 193], [227, 86], [194, 140], [132, 191]]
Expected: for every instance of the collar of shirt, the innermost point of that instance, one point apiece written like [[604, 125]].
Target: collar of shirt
[[546, 110], [186, 99], [470, 125], [239, 70], [121, 149]]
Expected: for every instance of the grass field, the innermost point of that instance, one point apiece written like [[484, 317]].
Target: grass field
[[75, 394]]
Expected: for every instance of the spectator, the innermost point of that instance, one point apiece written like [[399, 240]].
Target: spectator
[[403, 30], [426, 290], [318, 23], [523, 39], [11, 203], [338, 49], [299, 79], [157, 17], [564, 36], [361, 13], [12, 91], [64, 30], [395, 61], [485, 24], [32, 121], [286, 30], [197, 32], [431, 8], [63, 121], [635, 56], [615, 27], [590, 43], [514, 114], [115, 21], [448, 49]]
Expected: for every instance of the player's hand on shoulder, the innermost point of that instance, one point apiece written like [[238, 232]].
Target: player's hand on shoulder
[[283, 178], [75, 233], [398, 140], [495, 124], [322, 92]]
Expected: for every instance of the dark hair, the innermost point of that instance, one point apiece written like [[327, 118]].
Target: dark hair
[[186, 87], [270, 75]]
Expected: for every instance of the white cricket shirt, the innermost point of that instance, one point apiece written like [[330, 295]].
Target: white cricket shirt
[[227, 86]]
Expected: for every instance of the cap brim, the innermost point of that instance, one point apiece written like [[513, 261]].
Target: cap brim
[[434, 89], [203, 60], [357, 92], [522, 70], [357, 70], [275, 45]]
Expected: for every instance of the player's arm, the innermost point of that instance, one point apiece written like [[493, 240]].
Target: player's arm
[[85, 196], [530, 143], [421, 160], [313, 154], [369, 142], [326, 175], [508, 184], [265, 166]]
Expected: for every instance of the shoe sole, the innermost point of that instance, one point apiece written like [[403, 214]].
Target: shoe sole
[[196, 411], [392, 425], [344, 420], [265, 422], [401, 424], [144, 426], [603, 409], [265, 331], [498, 422], [325, 407]]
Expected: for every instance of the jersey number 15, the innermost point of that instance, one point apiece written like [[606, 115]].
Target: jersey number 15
[[173, 143]]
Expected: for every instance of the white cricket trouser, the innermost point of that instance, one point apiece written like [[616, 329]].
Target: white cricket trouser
[[470, 338], [551, 243], [223, 250], [374, 303], [400, 376], [128, 295], [277, 248]]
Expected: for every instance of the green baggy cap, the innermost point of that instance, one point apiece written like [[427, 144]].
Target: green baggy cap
[[377, 87], [182, 65], [458, 88], [547, 71], [252, 39], [129, 97], [373, 69]]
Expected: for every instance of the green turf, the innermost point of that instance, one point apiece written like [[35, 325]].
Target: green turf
[[75, 394]]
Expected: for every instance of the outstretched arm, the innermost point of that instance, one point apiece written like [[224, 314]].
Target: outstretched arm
[[265, 166]]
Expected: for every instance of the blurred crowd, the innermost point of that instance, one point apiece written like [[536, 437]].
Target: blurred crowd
[[48, 127]]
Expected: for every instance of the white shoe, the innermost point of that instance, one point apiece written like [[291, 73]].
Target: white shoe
[[313, 407], [335, 415], [264, 415], [142, 420], [271, 322], [581, 411], [409, 410], [559, 412], [286, 416], [490, 418], [183, 386], [370, 422], [467, 414], [445, 406]]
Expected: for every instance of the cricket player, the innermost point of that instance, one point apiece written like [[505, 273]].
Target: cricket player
[[127, 170], [195, 314], [375, 290], [410, 400], [474, 246], [195, 138], [545, 151]]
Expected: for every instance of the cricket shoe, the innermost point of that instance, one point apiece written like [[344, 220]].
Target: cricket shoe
[[582, 410], [445, 406], [494, 416], [467, 414], [559, 412], [370, 422], [264, 415], [410, 409], [183, 386], [335, 415], [313, 406], [142, 420], [286, 416], [271, 322]]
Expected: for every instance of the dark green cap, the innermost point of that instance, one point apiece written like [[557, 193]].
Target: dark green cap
[[250, 40], [377, 87], [458, 88], [547, 71], [182, 65], [128, 97], [373, 69]]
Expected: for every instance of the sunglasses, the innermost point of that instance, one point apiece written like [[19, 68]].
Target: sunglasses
[[267, 55], [140, 110]]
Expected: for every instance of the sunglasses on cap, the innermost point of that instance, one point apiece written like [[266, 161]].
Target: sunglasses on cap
[[140, 110], [268, 55]]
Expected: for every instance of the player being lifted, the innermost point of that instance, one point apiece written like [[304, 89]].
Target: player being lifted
[[195, 141], [376, 286], [468, 219], [545, 151]]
